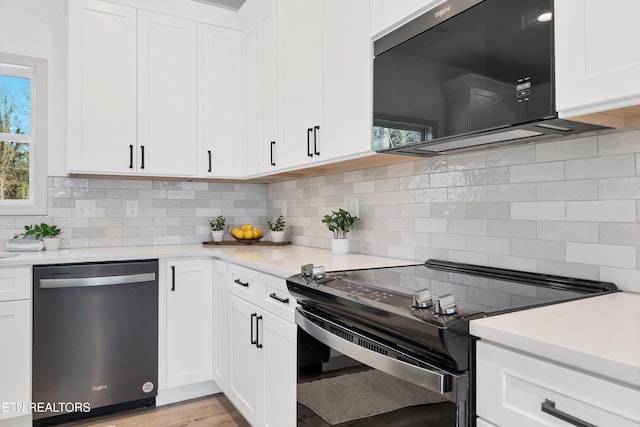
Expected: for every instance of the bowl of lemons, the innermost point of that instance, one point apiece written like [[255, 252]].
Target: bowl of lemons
[[246, 233]]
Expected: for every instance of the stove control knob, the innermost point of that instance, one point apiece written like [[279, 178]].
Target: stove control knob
[[421, 299], [445, 304], [317, 273]]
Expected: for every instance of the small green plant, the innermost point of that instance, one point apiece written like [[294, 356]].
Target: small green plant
[[340, 222], [38, 231], [217, 224], [277, 225]]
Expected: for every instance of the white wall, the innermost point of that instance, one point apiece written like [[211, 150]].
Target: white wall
[[39, 28]]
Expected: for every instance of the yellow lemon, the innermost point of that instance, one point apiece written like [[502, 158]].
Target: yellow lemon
[[256, 233], [248, 234], [247, 227], [237, 233]]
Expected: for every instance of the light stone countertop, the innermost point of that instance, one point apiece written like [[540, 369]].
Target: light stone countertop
[[280, 261], [598, 335]]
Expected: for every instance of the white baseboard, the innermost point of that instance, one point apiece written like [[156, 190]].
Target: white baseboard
[[178, 394]]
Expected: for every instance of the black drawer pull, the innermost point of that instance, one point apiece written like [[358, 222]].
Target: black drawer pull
[[173, 278], [309, 153], [253, 316], [258, 343], [142, 152], [209, 154], [549, 407], [315, 140], [241, 283], [273, 144], [276, 297], [130, 156]]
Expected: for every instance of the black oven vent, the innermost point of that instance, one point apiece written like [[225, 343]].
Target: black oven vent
[[341, 333], [370, 345]]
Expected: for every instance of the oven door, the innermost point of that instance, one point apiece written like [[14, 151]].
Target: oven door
[[347, 378]]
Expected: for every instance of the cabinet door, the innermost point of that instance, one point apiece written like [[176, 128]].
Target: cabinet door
[[15, 357], [102, 87], [167, 95], [267, 87], [189, 322], [597, 55], [347, 84], [220, 324], [302, 80], [280, 376], [252, 138], [219, 98], [245, 387]]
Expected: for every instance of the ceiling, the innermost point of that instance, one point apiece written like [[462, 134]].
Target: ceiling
[[230, 4]]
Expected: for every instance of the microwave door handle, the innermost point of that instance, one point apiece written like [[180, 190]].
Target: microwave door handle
[[437, 381]]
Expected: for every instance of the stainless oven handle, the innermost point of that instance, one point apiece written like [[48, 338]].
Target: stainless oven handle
[[81, 282], [433, 380]]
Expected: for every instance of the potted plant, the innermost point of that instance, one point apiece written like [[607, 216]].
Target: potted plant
[[217, 228], [340, 222], [277, 229], [49, 234]]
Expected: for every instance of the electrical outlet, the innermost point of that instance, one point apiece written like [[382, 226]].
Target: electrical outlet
[[132, 208], [85, 208], [355, 207], [283, 211]]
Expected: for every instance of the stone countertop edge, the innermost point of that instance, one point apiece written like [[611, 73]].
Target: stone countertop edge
[[281, 261], [599, 335]]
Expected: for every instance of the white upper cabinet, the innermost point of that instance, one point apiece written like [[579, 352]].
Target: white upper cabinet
[[152, 93], [220, 103], [326, 63], [102, 87], [167, 95], [387, 15], [598, 61]]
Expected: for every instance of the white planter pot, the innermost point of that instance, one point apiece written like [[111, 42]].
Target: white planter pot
[[277, 236], [217, 236], [51, 243], [340, 246]]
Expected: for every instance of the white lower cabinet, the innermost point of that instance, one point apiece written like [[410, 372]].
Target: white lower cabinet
[[220, 324], [517, 389], [15, 356], [188, 298], [261, 350]]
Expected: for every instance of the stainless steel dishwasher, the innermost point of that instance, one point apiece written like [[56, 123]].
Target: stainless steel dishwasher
[[95, 339]]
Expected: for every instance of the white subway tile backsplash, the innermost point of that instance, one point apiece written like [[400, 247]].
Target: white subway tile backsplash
[[569, 269], [511, 192], [508, 156], [512, 229], [487, 176], [569, 149], [612, 143], [474, 160], [567, 190], [568, 231], [542, 211], [431, 225], [467, 226], [619, 188], [447, 179], [468, 257], [538, 249], [620, 233], [489, 245], [602, 211], [467, 194], [601, 167], [622, 276], [489, 210], [430, 195], [448, 210], [604, 255], [449, 241], [537, 172]]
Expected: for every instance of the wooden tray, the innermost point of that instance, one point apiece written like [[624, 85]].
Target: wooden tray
[[248, 243]]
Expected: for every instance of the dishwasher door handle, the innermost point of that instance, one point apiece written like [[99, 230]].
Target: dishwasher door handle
[[82, 282]]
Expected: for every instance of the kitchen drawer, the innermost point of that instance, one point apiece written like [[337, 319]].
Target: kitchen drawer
[[511, 388], [245, 283], [278, 301], [15, 283]]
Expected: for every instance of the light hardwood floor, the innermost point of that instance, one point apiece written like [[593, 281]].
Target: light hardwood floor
[[204, 412]]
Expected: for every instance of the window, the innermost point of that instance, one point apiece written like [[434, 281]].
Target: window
[[23, 135]]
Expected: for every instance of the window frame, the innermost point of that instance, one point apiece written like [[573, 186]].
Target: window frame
[[36, 70]]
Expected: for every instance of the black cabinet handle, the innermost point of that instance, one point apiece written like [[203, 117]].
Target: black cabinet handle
[[130, 156], [254, 316], [142, 162], [241, 283], [315, 140], [209, 153], [549, 407], [309, 153], [173, 278], [273, 144], [276, 297], [258, 343]]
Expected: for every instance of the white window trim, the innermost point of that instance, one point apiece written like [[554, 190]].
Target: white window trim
[[37, 138]]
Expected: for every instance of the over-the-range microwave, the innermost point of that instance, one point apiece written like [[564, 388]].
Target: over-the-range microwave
[[466, 75]]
